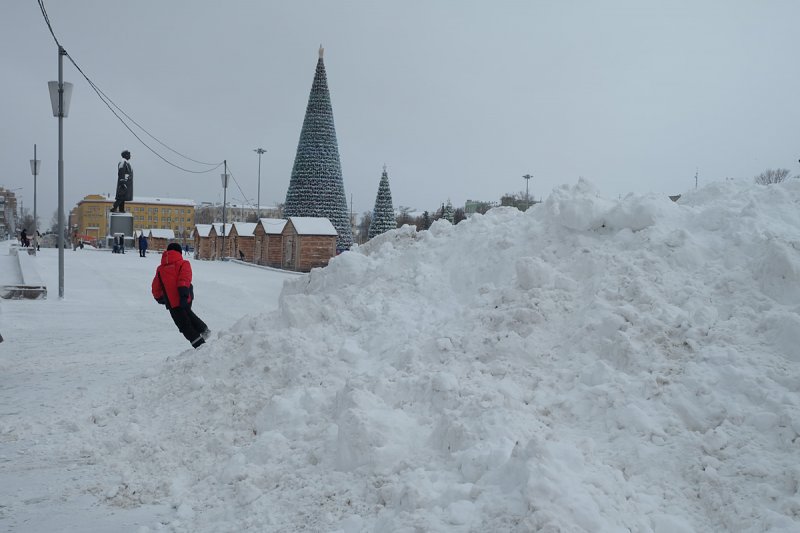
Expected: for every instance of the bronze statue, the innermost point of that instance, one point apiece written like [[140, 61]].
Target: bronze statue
[[124, 183]]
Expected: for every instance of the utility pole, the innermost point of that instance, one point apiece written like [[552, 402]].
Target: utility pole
[[696, 172], [61, 244], [260, 152], [60, 93]]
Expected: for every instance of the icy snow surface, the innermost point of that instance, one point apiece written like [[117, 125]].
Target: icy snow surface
[[591, 365]]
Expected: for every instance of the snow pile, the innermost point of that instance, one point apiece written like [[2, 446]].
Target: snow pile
[[591, 365]]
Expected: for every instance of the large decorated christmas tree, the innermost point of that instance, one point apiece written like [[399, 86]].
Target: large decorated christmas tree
[[383, 215], [316, 188]]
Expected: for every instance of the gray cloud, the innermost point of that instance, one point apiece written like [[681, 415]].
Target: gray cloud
[[459, 99]]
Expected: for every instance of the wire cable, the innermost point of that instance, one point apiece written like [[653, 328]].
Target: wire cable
[[109, 103], [105, 97], [244, 196]]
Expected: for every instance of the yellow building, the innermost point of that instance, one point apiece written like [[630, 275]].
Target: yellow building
[[91, 215]]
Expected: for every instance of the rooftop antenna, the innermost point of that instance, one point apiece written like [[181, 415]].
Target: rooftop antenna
[[696, 171]]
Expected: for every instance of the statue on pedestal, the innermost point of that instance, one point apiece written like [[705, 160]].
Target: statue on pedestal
[[124, 183]]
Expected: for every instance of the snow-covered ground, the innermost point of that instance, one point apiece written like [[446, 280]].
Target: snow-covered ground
[[63, 360], [591, 365]]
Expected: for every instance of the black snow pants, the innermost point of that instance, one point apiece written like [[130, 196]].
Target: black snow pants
[[189, 324]]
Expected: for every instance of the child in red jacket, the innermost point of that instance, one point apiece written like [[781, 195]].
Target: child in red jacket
[[172, 286]]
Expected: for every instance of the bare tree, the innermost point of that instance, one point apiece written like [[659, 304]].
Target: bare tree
[[772, 176], [26, 223], [483, 207], [205, 215], [54, 222], [404, 216], [363, 227], [519, 200]]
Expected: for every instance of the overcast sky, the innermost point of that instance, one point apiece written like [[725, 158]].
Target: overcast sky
[[458, 98]]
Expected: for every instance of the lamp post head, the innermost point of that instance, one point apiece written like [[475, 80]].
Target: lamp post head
[[53, 86]]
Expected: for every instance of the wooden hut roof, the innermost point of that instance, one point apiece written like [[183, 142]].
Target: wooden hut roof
[[313, 226]]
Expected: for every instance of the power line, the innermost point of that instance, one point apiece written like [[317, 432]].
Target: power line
[[106, 97], [109, 103], [244, 196], [47, 21]]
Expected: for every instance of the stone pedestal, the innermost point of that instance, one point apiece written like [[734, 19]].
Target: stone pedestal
[[120, 223]]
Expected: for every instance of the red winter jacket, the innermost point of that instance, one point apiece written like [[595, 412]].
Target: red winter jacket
[[174, 274]]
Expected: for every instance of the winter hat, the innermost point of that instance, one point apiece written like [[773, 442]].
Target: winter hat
[[174, 246], [126, 154]]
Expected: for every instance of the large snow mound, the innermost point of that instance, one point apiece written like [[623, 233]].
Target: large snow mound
[[590, 365]]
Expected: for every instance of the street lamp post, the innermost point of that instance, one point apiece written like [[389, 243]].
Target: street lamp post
[[224, 203], [35, 170], [527, 178], [60, 94], [260, 152]]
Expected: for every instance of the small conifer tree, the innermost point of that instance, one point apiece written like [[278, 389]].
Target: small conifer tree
[[447, 212], [383, 215], [426, 220]]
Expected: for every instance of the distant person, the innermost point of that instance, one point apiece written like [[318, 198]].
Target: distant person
[[119, 244], [172, 287], [124, 183], [241, 255], [186, 249], [23, 238], [142, 245]]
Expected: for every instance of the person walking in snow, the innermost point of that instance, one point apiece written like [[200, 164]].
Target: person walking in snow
[[142, 245], [172, 287]]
